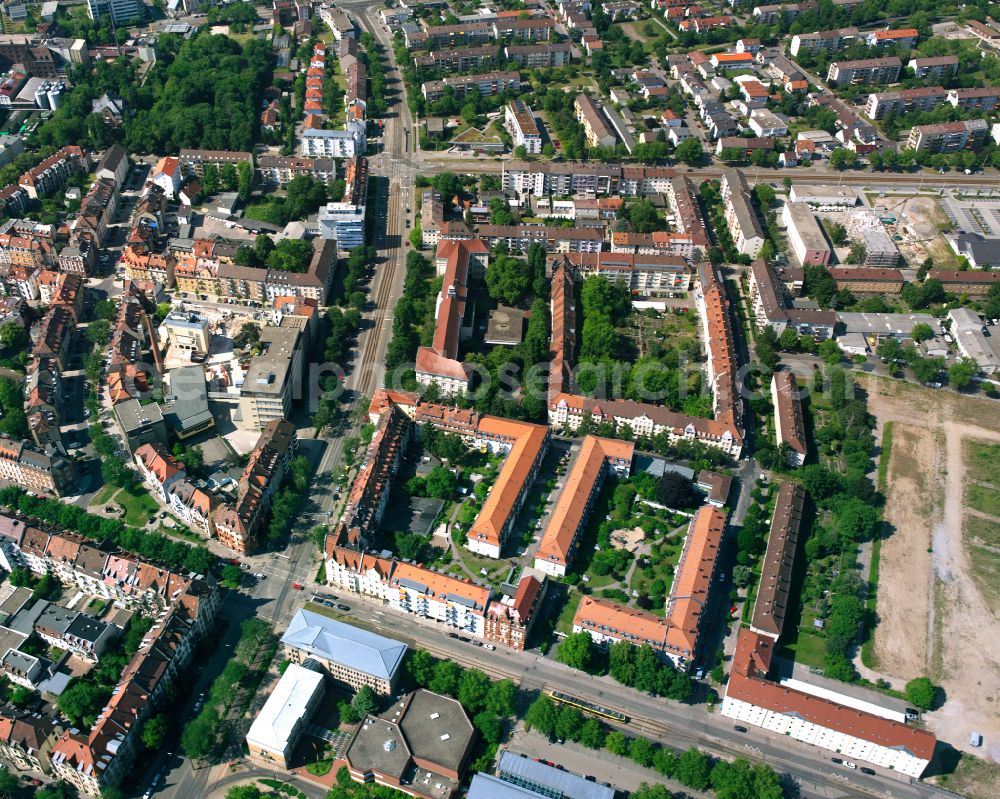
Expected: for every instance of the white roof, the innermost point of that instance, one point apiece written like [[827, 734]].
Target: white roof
[[285, 707]]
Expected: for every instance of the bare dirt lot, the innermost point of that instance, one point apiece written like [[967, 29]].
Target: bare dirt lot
[[935, 615], [920, 221]]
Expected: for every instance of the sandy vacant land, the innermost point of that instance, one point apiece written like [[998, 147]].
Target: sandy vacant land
[[937, 598], [901, 644]]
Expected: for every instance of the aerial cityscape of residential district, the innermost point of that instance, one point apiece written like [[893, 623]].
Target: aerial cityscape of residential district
[[511, 399]]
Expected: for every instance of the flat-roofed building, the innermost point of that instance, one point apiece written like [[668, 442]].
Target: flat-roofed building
[[276, 731], [815, 195], [808, 242], [421, 746], [596, 459], [948, 137], [969, 332], [350, 656], [940, 67], [924, 98], [789, 423], [273, 378], [887, 325]]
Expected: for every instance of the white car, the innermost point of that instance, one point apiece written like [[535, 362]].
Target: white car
[[851, 764]]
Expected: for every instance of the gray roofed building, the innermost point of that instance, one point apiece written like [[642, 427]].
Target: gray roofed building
[[548, 780], [981, 252], [142, 424], [185, 407], [350, 655], [486, 786], [882, 325], [973, 342]]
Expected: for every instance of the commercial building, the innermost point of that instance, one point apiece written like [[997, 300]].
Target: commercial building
[[948, 137], [276, 731], [971, 337], [789, 423], [420, 746], [979, 251], [272, 379], [806, 236], [886, 325], [865, 228], [837, 196], [676, 635], [119, 11], [523, 777], [741, 217], [352, 657], [597, 457], [520, 123]]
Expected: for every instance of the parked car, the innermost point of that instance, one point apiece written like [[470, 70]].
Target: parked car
[[865, 770], [851, 765], [297, 586], [343, 607], [740, 728]]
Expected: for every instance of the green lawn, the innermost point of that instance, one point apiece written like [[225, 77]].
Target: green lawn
[[139, 506], [565, 622], [982, 532], [981, 459], [103, 496], [807, 650], [985, 500]]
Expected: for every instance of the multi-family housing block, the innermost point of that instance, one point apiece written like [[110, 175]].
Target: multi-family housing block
[[595, 124], [538, 56], [925, 98], [789, 423], [520, 123], [948, 137], [741, 217], [864, 71], [486, 84], [770, 306]]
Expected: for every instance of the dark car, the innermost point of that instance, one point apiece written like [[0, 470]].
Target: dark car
[[865, 770], [452, 635], [464, 639], [740, 728], [836, 760], [345, 608]]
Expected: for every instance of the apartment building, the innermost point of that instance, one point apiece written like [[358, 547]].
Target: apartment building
[[595, 125], [279, 170], [939, 67], [645, 275], [978, 99], [541, 178], [510, 618], [460, 59], [741, 217], [350, 656], [193, 162], [789, 423], [675, 636], [973, 283], [597, 458], [348, 143], [926, 98], [26, 737], [686, 210], [864, 226], [555, 239], [970, 333], [905, 38], [539, 56], [769, 303], [68, 630], [431, 217], [53, 173], [806, 236], [438, 363], [522, 126], [36, 470], [524, 446], [534, 29], [237, 524], [273, 379], [822, 41], [343, 223], [159, 469], [485, 85], [774, 589], [865, 71], [567, 411], [867, 280], [948, 137]]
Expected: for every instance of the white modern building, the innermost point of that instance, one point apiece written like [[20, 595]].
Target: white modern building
[[335, 143], [520, 122], [344, 222], [278, 727], [971, 337], [118, 10]]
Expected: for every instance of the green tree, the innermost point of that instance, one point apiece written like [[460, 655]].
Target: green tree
[[420, 666], [577, 651], [489, 727], [542, 715], [693, 769], [441, 483], [473, 690], [569, 723], [244, 792], [154, 732], [641, 751], [616, 743], [502, 698], [364, 702], [921, 692], [591, 734], [961, 373], [690, 151], [445, 679], [232, 575], [507, 278], [921, 332]]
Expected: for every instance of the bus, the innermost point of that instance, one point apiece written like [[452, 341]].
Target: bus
[[588, 707]]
